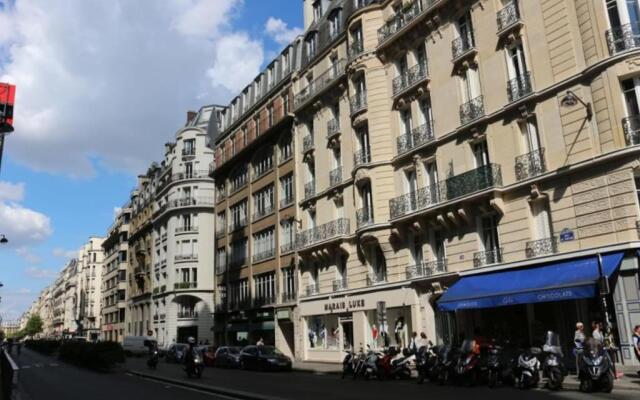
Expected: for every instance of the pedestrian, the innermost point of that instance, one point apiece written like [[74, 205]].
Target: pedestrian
[[260, 342], [423, 342], [578, 342], [413, 343], [596, 332], [636, 342]]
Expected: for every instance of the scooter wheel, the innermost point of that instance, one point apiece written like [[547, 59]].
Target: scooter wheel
[[607, 383], [420, 378], [586, 385], [492, 379]]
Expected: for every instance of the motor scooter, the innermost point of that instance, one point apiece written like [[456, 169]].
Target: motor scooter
[[394, 364], [552, 367], [196, 366], [595, 369], [468, 363], [526, 370]]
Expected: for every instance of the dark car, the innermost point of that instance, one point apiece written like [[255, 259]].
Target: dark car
[[176, 352], [227, 357], [264, 358]]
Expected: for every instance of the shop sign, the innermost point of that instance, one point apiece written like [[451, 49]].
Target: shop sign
[[344, 305], [566, 235], [283, 314]]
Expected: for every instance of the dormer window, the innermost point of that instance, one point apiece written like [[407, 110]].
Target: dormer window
[[335, 23], [311, 45], [317, 10]]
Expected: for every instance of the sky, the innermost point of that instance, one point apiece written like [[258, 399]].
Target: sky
[[101, 86]]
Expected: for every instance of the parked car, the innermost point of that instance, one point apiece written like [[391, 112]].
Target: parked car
[[135, 345], [227, 357], [175, 352], [264, 358]]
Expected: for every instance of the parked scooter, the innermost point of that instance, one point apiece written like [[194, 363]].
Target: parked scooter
[[394, 364], [425, 361], [595, 368], [367, 364], [349, 363], [495, 365], [468, 364], [552, 367], [527, 368], [446, 367]]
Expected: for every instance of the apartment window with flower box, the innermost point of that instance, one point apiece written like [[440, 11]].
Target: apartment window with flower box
[[238, 255], [238, 217], [265, 288], [263, 202], [263, 164], [264, 244]]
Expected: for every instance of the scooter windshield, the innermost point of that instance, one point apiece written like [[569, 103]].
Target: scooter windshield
[[552, 343], [593, 346], [467, 346]]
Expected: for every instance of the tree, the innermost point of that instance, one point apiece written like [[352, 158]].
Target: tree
[[34, 325]]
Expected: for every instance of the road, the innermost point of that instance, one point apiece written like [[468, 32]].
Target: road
[[46, 378]]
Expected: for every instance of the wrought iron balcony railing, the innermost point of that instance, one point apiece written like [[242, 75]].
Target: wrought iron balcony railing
[[331, 230], [309, 189], [488, 257], [508, 15], [540, 247], [340, 284], [333, 128], [262, 212], [335, 177], [471, 110], [427, 269], [185, 285], [376, 278], [461, 45], [401, 19], [221, 230], [319, 84], [286, 201], [189, 152], [355, 49], [263, 255], [264, 300], [364, 217], [189, 314], [186, 257], [307, 143], [530, 165], [358, 102], [311, 289], [519, 87], [288, 247], [185, 229], [289, 296], [418, 136], [413, 201], [238, 224], [410, 77], [362, 156], [631, 129], [622, 38]]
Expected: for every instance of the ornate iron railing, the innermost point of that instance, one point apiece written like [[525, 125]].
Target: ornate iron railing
[[362, 156], [622, 38], [472, 181], [410, 77], [461, 45], [261, 212], [264, 300], [286, 201], [330, 230], [288, 247], [309, 189], [189, 152], [427, 269], [335, 177], [519, 87], [418, 136], [186, 257], [400, 20], [530, 164], [541, 247], [358, 102], [355, 49], [376, 278], [184, 229], [364, 217], [487, 257], [289, 296], [333, 128], [189, 314], [631, 129], [320, 83], [307, 143], [508, 15], [185, 285], [340, 284], [311, 289], [471, 110], [413, 201], [263, 255]]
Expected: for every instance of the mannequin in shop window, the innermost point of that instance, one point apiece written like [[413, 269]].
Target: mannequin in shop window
[[399, 332]]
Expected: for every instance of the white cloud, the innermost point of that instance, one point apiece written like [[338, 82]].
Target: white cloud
[[116, 211], [15, 302], [237, 60], [26, 253], [11, 191], [109, 82], [41, 273], [280, 32], [22, 225], [62, 253]]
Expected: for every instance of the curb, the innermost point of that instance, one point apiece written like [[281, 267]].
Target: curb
[[236, 394]]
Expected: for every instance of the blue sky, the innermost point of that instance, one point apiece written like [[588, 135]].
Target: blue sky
[[86, 125]]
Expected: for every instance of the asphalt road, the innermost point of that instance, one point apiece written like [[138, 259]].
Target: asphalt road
[[48, 379]]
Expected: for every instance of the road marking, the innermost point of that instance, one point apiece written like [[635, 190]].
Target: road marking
[[54, 365], [25, 367]]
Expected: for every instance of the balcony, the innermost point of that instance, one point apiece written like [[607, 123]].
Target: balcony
[[508, 17], [309, 189], [425, 270], [323, 82], [263, 255], [325, 232], [376, 278], [358, 102], [417, 137], [335, 177], [187, 229], [530, 165], [257, 174], [221, 268], [287, 247], [399, 21], [355, 49], [488, 257], [410, 78], [308, 144], [191, 201], [536, 248], [188, 314], [361, 157], [238, 224], [631, 129], [311, 289], [289, 296], [189, 153], [333, 128], [287, 201], [463, 46], [452, 188], [364, 217], [340, 284], [185, 285], [220, 196], [221, 230], [164, 236], [237, 261], [519, 87], [186, 257], [264, 300], [471, 110], [623, 38], [263, 212], [179, 176]]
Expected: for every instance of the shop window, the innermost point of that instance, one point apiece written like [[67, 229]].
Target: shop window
[[323, 332]]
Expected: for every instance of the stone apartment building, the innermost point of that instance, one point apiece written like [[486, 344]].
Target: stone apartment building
[[447, 147], [89, 289]]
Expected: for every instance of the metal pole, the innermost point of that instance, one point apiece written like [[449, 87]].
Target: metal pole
[[603, 296], [2, 134]]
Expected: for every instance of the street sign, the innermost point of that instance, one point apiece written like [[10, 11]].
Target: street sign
[[566, 235]]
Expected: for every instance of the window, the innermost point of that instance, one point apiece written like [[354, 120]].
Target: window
[[415, 241], [489, 237], [311, 45], [481, 154], [265, 287], [263, 202], [624, 15], [426, 112], [541, 221], [238, 215], [335, 23], [270, 115], [287, 234], [256, 122], [516, 66], [529, 134], [470, 84], [367, 199], [221, 260], [362, 135], [636, 181], [239, 292], [221, 220], [239, 177], [465, 30], [285, 103], [285, 63], [401, 66], [263, 164], [286, 190], [245, 136], [405, 121], [288, 283], [189, 146], [286, 148], [238, 252], [411, 186], [257, 90], [317, 10], [264, 244], [233, 145]]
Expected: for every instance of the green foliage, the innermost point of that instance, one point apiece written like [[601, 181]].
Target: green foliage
[[34, 326], [46, 347], [101, 355]]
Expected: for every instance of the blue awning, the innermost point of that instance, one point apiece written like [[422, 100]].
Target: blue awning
[[567, 280]]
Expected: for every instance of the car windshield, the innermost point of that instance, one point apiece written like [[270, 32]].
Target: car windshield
[[233, 350], [269, 351]]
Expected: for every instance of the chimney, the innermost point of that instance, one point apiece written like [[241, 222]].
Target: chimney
[[191, 115]]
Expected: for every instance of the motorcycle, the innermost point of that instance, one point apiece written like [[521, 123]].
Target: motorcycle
[[425, 360], [394, 364], [367, 364], [552, 367], [196, 366], [495, 365], [349, 363], [595, 368], [468, 364], [152, 361], [527, 369], [445, 368]]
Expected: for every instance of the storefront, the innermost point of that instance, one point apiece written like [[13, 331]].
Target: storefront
[[378, 319], [245, 327]]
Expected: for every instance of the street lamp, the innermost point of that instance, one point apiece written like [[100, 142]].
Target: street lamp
[[570, 99]]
